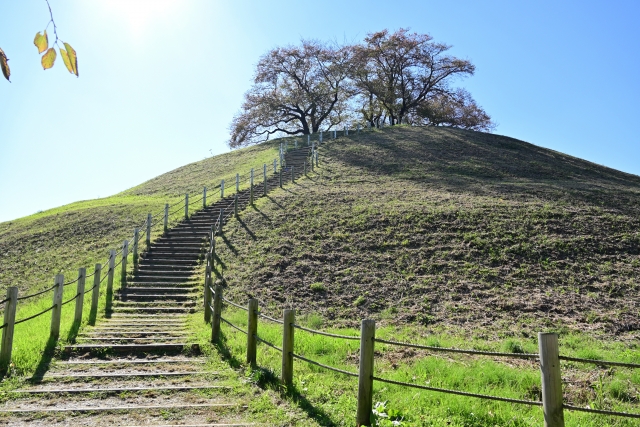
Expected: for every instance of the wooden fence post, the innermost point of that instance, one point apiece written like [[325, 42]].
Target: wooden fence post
[[551, 379], [235, 205], [292, 179], [207, 291], [123, 270], [308, 139], [365, 376], [252, 332], [220, 220], [186, 206], [217, 313], [316, 156], [275, 165], [264, 178], [222, 189], [95, 295], [305, 168], [166, 217], [57, 309], [289, 318], [237, 182], [251, 188], [136, 235], [204, 197], [320, 139], [280, 176], [295, 143], [111, 272], [7, 332], [148, 236], [82, 277]]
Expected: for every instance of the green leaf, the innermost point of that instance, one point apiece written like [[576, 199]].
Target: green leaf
[[5, 65], [73, 59], [48, 58], [41, 41], [65, 58]]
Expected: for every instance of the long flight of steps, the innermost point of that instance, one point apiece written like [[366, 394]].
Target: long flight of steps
[[138, 366]]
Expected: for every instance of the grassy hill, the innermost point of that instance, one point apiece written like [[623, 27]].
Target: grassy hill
[[449, 227], [444, 236]]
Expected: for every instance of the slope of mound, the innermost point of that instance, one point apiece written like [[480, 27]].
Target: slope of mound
[[446, 227], [35, 248]]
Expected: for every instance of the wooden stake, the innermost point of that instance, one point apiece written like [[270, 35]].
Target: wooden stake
[[95, 294], [57, 309], [148, 236], [289, 318], [252, 332], [7, 332], [275, 165], [207, 291], [251, 188], [237, 182], [220, 220], [110, 273], [82, 277], [136, 235], [280, 176], [551, 380], [166, 217], [217, 313], [123, 270], [186, 206], [365, 377], [222, 189], [204, 197], [292, 179], [264, 178], [235, 205]]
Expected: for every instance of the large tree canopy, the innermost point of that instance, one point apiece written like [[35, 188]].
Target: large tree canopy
[[397, 77], [296, 90]]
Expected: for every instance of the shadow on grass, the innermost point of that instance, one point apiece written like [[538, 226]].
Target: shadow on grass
[[45, 360], [251, 233], [226, 241], [266, 379], [73, 332]]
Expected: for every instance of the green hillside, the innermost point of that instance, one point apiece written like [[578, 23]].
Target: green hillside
[[449, 227]]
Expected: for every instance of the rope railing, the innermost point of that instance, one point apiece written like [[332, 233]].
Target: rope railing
[[233, 326], [331, 368], [461, 351], [176, 203], [264, 316], [460, 393], [17, 322], [326, 334], [234, 304], [600, 411], [70, 300], [267, 343], [34, 295], [600, 362], [70, 282]]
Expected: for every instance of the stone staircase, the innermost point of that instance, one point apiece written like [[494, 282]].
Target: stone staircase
[[138, 366]]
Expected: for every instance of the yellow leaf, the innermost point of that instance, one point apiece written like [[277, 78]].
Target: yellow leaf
[[48, 58], [4, 65], [41, 41], [73, 59], [65, 58]]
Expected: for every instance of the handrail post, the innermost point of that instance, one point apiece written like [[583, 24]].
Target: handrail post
[[275, 166], [316, 158], [136, 235], [217, 313], [221, 219], [280, 175], [320, 140], [252, 332], [251, 189], [82, 277], [289, 318], [235, 205], [264, 178], [204, 197], [237, 182], [292, 178], [123, 270], [111, 272], [222, 189], [295, 143], [166, 217], [305, 168], [551, 379], [7, 332], [57, 303], [148, 236], [365, 376], [186, 206], [308, 139], [207, 291], [95, 295]]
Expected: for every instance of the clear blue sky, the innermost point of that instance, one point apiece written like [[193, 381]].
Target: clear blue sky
[[161, 79]]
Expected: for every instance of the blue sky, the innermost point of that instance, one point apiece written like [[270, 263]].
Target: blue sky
[[161, 79]]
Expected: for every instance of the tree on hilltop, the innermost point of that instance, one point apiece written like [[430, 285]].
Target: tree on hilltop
[[296, 90]]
